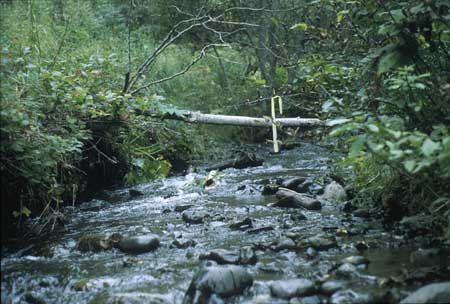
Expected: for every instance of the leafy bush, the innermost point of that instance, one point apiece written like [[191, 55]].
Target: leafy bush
[[397, 130]]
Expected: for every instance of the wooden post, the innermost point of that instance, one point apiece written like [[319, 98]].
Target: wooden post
[[274, 126]]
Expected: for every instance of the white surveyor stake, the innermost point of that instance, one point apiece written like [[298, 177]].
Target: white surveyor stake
[[274, 126]]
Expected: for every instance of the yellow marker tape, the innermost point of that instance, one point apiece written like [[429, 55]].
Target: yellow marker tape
[[274, 127]]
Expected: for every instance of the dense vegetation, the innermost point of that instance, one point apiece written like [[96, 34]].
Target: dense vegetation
[[79, 78]]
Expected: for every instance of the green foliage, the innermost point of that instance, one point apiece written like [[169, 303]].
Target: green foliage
[[396, 131], [61, 107]]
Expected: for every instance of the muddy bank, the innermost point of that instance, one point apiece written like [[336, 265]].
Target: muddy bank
[[249, 236]]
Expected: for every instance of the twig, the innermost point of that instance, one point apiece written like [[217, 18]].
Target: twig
[[186, 69]]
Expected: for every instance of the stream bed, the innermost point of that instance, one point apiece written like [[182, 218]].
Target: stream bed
[[344, 255]]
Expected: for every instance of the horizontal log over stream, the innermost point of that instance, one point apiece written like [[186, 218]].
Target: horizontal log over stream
[[215, 119]]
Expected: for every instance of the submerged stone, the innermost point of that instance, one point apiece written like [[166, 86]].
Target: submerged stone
[[181, 208], [139, 244], [135, 192], [432, 293], [224, 281], [94, 205], [292, 288], [242, 225]]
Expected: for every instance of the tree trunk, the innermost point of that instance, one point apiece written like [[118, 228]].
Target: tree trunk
[[201, 118]]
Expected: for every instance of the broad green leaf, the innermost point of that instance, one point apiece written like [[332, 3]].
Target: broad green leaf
[[397, 15], [389, 61], [357, 145], [341, 15], [429, 147], [409, 165], [327, 106], [373, 128], [337, 121]]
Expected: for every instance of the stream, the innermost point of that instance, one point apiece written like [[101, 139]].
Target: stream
[[200, 224]]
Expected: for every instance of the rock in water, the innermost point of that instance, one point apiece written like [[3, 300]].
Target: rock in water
[[292, 199], [318, 242], [335, 192], [184, 243], [355, 260], [293, 182], [93, 242], [330, 287], [242, 225], [348, 296], [135, 192], [194, 217], [182, 207], [246, 255], [139, 244], [287, 289], [270, 189], [243, 161], [94, 205], [432, 293], [224, 281]]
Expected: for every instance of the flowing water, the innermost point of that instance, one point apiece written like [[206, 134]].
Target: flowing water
[[50, 269]]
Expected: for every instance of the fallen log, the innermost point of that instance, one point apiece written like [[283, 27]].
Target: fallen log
[[216, 119]]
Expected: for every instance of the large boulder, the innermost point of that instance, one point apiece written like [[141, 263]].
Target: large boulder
[[223, 281], [292, 199], [139, 244], [292, 288], [432, 293]]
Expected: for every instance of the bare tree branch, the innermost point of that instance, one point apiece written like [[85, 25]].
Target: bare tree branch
[[183, 71], [168, 40]]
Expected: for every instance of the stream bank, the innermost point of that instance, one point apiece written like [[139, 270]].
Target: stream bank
[[234, 239]]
